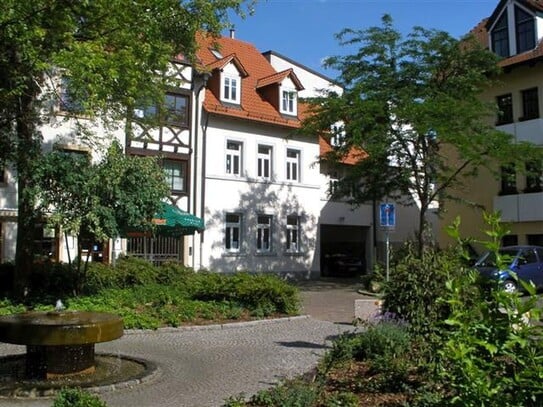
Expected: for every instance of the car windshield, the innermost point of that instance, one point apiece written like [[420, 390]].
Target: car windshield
[[488, 259]]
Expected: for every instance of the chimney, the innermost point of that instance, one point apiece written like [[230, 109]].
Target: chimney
[[232, 33]]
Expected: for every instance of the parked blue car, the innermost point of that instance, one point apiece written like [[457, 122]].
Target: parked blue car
[[525, 261]]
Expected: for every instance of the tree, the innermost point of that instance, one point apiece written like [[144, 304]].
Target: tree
[[97, 201], [112, 53], [413, 105]]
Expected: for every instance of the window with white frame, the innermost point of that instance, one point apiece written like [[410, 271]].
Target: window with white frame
[[232, 233], [230, 89], [175, 171], [293, 234], [264, 233], [233, 157], [293, 165], [264, 162], [288, 101]]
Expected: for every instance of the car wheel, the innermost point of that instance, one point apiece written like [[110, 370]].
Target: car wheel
[[510, 286]]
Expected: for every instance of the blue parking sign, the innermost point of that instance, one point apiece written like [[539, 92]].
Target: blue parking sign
[[387, 215]]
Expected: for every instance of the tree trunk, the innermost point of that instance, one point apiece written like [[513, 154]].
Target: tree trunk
[[28, 151]]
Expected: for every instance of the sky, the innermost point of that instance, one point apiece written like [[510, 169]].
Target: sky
[[304, 30]]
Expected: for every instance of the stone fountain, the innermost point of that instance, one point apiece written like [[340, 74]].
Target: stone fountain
[[59, 343]]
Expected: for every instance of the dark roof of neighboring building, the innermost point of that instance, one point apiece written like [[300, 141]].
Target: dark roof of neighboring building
[[481, 33]]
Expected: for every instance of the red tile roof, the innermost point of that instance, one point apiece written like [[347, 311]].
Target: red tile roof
[[253, 105], [259, 74], [278, 78], [353, 156]]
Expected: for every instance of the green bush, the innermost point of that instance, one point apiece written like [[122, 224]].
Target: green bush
[[263, 294], [77, 398], [490, 352], [415, 284], [341, 399], [297, 393]]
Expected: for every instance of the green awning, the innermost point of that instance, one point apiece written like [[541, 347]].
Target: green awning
[[173, 221]]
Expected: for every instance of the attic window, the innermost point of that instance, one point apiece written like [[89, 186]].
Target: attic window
[[288, 102], [216, 53], [230, 91], [500, 37], [524, 30]]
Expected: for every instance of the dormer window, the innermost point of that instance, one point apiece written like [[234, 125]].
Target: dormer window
[[230, 89], [500, 36], [288, 102], [524, 30]]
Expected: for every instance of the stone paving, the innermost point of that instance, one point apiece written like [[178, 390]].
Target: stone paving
[[202, 366]]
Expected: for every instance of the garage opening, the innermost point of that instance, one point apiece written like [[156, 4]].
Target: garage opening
[[343, 250]]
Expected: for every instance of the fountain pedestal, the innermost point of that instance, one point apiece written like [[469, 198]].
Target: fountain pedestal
[[59, 343]]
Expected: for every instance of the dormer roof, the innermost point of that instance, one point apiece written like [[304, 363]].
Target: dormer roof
[[257, 70], [221, 63], [279, 77], [482, 33], [534, 5]]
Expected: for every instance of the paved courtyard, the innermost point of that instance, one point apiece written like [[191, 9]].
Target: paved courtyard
[[202, 366]]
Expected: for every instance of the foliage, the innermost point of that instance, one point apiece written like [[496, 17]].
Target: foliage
[[387, 348], [491, 352], [415, 284], [411, 111], [73, 397], [296, 393], [111, 53], [150, 297], [97, 201], [264, 294]]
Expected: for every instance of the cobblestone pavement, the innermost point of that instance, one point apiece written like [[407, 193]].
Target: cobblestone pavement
[[202, 366]]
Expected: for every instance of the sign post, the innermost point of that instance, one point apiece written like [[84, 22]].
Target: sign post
[[387, 215]]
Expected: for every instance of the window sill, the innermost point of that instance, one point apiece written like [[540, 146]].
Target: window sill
[[234, 254], [294, 254], [526, 118], [266, 254]]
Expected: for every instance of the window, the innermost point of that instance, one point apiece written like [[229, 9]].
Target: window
[[233, 158], [288, 102], [263, 233], [530, 104], [505, 109], [69, 101], [508, 180], [44, 242], [232, 235], [176, 109], [175, 174], [293, 234], [264, 161], [536, 240], [500, 37], [510, 240], [230, 89], [338, 136], [3, 176], [525, 30], [533, 176], [293, 165]]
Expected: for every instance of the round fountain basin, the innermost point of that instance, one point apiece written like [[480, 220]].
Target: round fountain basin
[[60, 328], [59, 343]]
